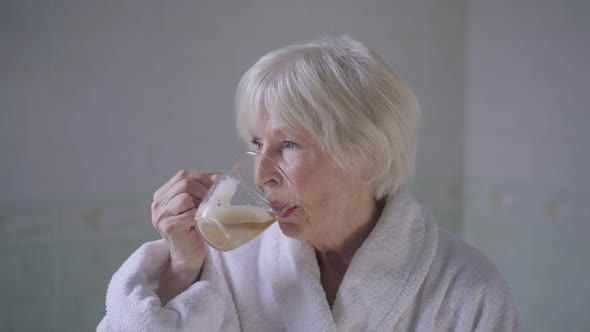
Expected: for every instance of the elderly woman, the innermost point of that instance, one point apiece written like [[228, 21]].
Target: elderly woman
[[357, 253]]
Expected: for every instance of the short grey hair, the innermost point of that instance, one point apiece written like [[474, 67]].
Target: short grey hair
[[346, 98]]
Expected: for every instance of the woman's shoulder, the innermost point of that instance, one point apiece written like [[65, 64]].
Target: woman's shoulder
[[463, 265], [463, 278]]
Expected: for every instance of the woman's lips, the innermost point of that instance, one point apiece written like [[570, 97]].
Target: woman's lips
[[288, 212], [280, 206]]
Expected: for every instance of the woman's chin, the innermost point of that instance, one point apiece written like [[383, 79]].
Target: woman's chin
[[290, 229]]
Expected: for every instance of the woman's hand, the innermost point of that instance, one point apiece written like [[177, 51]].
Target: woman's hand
[[173, 213]]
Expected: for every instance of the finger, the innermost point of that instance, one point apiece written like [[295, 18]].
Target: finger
[[179, 204], [204, 178], [182, 223], [214, 176], [196, 189]]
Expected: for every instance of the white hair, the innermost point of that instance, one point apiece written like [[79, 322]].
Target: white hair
[[346, 98]]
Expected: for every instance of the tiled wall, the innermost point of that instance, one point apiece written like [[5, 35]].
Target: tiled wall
[[538, 238], [444, 198], [57, 258], [526, 153]]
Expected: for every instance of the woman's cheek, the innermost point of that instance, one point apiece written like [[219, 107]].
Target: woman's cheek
[[301, 188]]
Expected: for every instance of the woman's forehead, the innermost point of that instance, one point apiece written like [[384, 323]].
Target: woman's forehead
[[270, 127], [273, 120]]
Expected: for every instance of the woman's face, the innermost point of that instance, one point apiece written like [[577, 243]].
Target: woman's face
[[328, 202]]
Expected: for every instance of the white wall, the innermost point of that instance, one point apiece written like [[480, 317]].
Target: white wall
[[111, 98], [101, 102], [527, 155]]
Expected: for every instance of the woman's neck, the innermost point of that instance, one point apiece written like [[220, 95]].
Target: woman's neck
[[333, 261]]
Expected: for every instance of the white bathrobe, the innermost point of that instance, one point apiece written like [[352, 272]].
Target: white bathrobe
[[408, 275]]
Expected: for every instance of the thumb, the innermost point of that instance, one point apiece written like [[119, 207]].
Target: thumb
[[214, 175]]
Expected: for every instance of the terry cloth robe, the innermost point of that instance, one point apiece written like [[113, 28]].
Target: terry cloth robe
[[408, 275]]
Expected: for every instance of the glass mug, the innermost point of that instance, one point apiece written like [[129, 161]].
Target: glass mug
[[244, 202]]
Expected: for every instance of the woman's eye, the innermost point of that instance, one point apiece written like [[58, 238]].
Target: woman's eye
[[256, 143], [290, 145]]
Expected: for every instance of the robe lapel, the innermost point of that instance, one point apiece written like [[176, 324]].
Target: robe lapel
[[297, 290], [388, 269]]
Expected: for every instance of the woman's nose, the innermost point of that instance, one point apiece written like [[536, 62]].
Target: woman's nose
[[266, 174]]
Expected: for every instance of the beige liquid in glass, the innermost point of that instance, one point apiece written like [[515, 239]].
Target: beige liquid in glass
[[230, 227], [225, 226]]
